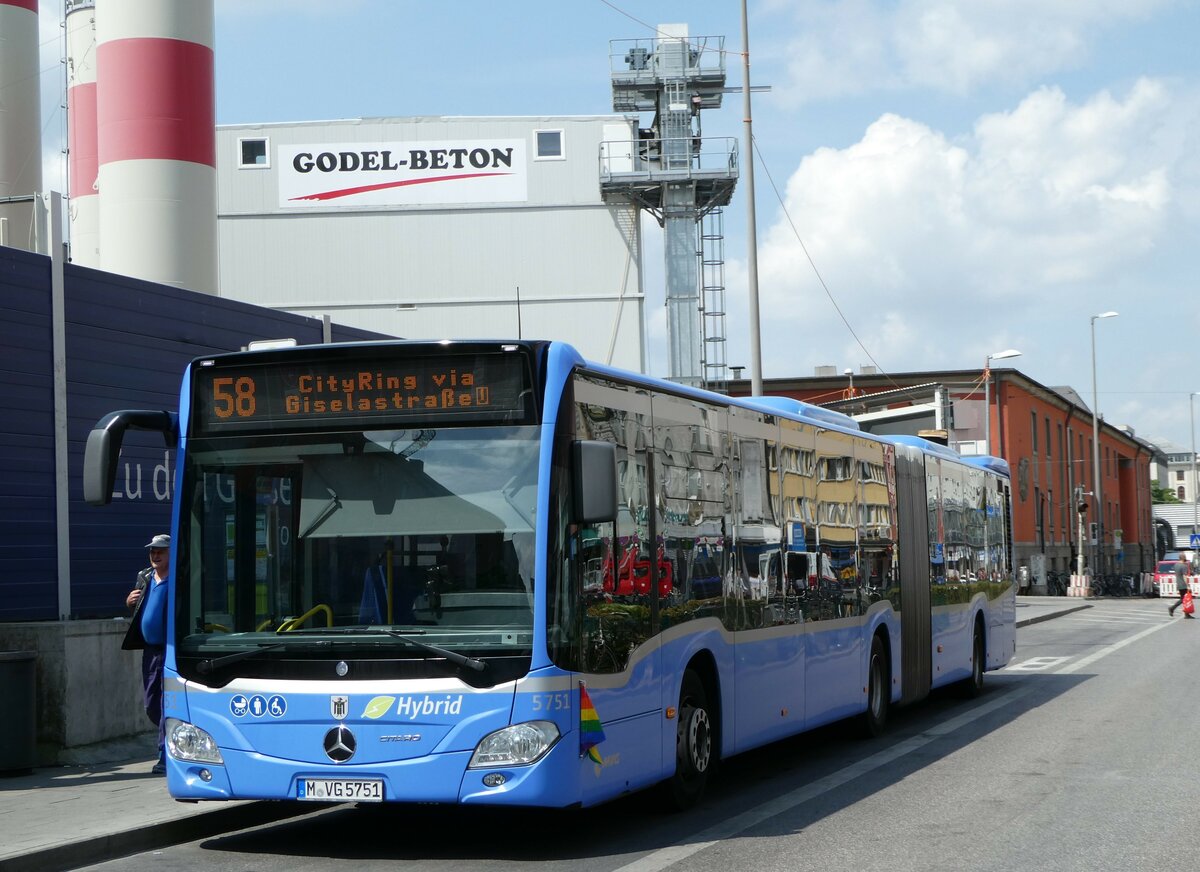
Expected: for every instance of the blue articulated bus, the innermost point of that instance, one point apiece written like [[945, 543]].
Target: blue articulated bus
[[492, 572]]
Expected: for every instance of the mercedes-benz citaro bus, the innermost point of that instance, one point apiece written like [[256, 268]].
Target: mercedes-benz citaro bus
[[491, 572]]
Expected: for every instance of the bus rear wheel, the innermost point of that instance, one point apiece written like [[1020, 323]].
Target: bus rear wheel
[[694, 746]]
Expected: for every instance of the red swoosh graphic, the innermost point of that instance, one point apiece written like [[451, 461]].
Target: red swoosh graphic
[[346, 192]]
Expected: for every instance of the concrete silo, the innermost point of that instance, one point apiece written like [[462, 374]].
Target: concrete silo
[[20, 122], [155, 121]]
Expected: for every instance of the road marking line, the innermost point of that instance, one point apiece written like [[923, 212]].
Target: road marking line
[[1104, 652], [1035, 664], [669, 856]]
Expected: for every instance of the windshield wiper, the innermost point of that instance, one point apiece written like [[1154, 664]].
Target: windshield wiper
[[204, 667], [452, 656], [366, 630]]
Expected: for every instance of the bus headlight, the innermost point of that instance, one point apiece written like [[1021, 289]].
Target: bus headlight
[[518, 745], [188, 742]]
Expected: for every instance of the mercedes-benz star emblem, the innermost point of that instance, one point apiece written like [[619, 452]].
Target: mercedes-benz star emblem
[[340, 744]]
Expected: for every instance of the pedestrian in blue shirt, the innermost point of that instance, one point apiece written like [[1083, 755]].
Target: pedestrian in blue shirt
[[148, 631]]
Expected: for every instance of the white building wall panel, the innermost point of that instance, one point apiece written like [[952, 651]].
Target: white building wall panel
[[603, 330]]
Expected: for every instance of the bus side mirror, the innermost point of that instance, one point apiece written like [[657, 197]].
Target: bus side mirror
[[100, 466], [594, 481], [103, 448]]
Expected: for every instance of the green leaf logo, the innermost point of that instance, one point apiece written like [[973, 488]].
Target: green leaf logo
[[378, 707]]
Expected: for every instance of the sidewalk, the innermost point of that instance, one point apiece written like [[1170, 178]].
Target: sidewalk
[[63, 817]]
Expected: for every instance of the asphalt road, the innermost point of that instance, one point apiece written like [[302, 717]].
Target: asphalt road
[[1070, 760]]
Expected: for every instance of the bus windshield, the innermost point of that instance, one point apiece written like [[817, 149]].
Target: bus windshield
[[425, 533]]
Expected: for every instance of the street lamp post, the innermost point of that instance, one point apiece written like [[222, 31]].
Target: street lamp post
[[987, 394], [1099, 516], [1193, 489]]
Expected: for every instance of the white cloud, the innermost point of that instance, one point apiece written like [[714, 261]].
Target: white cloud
[[846, 47], [1031, 211]]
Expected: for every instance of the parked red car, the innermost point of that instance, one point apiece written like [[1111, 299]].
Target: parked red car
[[1165, 574]]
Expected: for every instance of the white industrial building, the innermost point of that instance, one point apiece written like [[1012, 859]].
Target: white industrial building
[[434, 227]]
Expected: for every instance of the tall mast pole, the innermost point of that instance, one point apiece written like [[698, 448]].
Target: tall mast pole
[[756, 383]]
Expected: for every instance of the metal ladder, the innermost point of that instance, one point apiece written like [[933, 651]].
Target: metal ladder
[[711, 251]]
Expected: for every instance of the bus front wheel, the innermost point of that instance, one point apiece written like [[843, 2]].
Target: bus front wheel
[[878, 690], [694, 750], [972, 686]]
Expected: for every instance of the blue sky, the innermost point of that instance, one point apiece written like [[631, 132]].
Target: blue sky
[[966, 176]]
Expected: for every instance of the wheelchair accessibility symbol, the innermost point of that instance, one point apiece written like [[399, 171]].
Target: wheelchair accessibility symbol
[[277, 706]]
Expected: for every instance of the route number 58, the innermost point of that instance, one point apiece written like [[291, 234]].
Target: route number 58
[[233, 396]]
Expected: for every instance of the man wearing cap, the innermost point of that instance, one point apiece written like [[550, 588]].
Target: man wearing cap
[[149, 629]]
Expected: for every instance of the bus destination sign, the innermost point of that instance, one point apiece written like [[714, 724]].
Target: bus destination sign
[[360, 392]]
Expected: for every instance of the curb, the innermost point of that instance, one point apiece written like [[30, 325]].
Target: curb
[[1037, 619], [112, 846]]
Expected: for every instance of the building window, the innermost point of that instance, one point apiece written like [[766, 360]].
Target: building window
[[1062, 475], [548, 145], [252, 153], [1179, 475], [1034, 431], [1179, 492]]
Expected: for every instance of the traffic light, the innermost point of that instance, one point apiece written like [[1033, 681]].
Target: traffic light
[[1080, 503]]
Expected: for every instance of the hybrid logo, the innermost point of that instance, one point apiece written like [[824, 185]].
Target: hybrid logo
[[412, 708]]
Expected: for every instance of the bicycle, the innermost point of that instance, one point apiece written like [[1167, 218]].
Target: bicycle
[[1056, 583], [1111, 585]]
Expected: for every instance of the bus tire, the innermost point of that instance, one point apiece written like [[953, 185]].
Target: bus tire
[[694, 746], [971, 686], [874, 719]]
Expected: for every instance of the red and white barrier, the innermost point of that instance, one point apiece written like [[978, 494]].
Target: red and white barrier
[[1080, 585], [1167, 587]]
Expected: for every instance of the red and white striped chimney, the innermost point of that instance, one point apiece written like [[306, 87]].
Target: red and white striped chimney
[[20, 121], [82, 158], [156, 140]]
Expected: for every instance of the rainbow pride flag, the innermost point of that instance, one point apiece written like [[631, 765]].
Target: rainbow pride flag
[[591, 733]]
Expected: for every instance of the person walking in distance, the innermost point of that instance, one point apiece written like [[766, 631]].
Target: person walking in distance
[[147, 630], [1181, 586]]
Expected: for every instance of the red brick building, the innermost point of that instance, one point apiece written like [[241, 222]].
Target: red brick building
[[1044, 433]]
